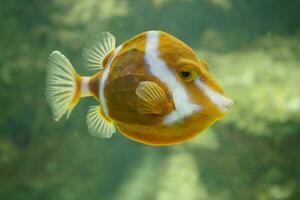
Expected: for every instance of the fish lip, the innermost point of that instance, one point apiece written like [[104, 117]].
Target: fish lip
[[227, 106]]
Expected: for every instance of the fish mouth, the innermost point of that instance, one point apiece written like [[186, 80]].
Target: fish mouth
[[226, 105]]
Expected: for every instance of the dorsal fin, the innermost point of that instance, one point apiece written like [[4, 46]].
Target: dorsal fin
[[98, 124], [97, 48]]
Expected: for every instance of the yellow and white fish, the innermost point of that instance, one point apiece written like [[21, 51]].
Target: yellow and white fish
[[152, 89]]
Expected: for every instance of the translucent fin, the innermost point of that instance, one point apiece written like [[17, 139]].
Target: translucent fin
[[97, 48], [98, 125], [61, 85], [151, 95]]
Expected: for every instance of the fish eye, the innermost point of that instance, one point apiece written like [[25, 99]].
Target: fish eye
[[186, 73]]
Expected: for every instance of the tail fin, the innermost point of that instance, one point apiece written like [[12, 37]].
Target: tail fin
[[63, 85]]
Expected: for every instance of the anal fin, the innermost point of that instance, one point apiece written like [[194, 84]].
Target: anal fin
[[98, 124], [152, 98]]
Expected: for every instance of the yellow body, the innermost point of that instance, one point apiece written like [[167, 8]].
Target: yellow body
[[152, 88], [128, 69]]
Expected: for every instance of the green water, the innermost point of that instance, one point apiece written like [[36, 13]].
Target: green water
[[253, 48]]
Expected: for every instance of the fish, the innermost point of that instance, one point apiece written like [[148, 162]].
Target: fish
[[152, 88]]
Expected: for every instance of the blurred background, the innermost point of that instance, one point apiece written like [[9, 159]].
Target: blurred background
[[253, 48]]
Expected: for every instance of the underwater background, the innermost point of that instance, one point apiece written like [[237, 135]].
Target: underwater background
[[253, 48]]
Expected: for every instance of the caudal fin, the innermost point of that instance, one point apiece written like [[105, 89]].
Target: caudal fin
[[62, 85]]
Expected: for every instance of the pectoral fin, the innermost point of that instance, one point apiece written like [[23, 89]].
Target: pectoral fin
[[152, 99]]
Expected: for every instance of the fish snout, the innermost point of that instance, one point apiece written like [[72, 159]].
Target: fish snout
[[227, 104]]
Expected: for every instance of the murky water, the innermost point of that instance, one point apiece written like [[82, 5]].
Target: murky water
[[253, 48]]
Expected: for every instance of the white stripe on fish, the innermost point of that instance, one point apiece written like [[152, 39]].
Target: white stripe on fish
[[183, 105], [103, 81], [84, 91], [218, 99]]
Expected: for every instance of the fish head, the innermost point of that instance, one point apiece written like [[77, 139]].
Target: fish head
[[195, 92], [202, 88]]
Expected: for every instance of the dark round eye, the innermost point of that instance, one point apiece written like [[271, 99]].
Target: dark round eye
[[185, 74]]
